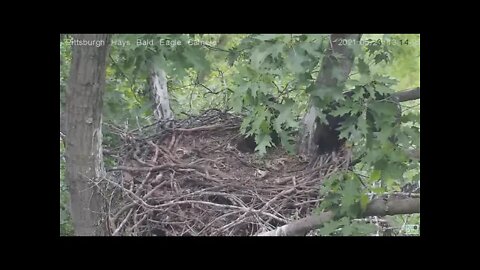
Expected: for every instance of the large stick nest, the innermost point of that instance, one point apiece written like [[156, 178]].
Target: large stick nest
[[188, 178]]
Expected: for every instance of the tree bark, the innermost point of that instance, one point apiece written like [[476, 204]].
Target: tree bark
[[159, 91], [407, 95], [326, 79], [377, 207], [62, 122], [84, 103]]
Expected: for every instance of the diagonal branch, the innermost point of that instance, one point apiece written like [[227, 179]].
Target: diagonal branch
[[377, 207]]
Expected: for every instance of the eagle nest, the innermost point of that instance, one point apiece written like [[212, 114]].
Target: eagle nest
[[189, 178]]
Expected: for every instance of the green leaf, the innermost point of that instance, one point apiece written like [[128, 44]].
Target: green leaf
[[312, 49], [329, 227], [238, 95], [388, 109], [128, 64], [363, 229], [348, 230], [395, 171], [341, 111], [362, 123], [261, 115], [386, 80], [263, 141], [253, 90], [285, 115], [358, 93], [375, 175], [350, 195], [350, 192], [364, 200], [287, 142], [363, 68], [383, 89], [295, 59], [381, 57], [232, 56], [259, 54], [345, 133], [373, 156], [197, 58], [378, 190], [276, 50], [245, 124]]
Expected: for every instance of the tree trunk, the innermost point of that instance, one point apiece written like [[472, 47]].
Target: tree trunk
[[326, 79], [84, 160], [159, 91]]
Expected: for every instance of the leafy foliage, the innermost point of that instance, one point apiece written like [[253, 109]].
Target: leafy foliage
[[343, 194], [275, 68]]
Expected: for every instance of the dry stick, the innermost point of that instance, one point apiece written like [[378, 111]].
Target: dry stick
[[217, 218], [155, 156], [276, 212], [191, 229], [231, 224], [135, 219], [172, 141], [145, 197], [137, 158], [216, 205], [123, 222], [168, 154], [168, 166], [277, 196], [140, 189], [145, 215], [202, 128], [206, 176], [202, 191], [123, 209], [109, 207], [139, 200]]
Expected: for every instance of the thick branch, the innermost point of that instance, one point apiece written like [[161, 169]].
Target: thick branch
[[407, 95], [333, 73], [378, 207]]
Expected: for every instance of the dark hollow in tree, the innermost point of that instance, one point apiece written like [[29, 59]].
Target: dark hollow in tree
[[248, 144]]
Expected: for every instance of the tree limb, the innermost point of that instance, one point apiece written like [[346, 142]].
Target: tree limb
[[407, 95], [326, 78], [377, 207]]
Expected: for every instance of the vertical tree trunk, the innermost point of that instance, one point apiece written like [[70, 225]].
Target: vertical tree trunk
[[84, 160], [159, 91], [326, 78]]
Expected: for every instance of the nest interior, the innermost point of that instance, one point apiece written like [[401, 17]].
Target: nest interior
[[193, 178]]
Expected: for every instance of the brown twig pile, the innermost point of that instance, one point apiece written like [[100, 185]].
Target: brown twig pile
[[187, 178]]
